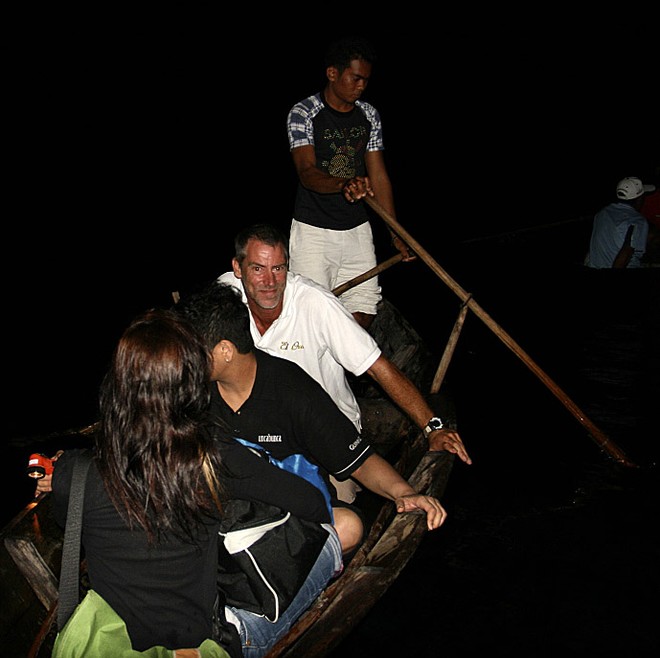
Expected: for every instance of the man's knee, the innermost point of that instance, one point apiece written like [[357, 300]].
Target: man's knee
[[349, 528]]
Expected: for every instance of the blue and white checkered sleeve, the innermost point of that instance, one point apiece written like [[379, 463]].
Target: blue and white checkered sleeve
[[299, 126], [299, 129], [375, 142]]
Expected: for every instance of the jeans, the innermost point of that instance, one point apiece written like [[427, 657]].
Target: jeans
[[258, 634]]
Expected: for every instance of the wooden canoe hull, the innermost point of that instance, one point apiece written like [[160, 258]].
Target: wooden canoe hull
[[30, 556], [393, 540]]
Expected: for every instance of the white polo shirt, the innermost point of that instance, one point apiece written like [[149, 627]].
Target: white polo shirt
[[315, 331]]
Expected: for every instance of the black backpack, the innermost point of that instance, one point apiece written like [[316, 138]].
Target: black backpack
[[265, 556]]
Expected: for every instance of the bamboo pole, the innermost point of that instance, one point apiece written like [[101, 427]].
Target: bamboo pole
[[339, 290], [449, 350], [596, 434]]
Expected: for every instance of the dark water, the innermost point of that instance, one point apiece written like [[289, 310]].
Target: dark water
[[549, 548]]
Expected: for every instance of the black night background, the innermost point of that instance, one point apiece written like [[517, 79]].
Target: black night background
[[135, 147]]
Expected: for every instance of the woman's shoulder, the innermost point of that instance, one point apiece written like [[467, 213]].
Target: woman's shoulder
[[63, 467]]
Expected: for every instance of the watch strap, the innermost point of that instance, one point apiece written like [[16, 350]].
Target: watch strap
[[434, 424]]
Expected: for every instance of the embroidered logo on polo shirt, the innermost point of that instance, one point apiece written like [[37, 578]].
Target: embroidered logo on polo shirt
[[355, 443], [269, 438], [296, 345]]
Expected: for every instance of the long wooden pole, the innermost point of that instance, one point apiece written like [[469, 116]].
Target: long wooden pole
[[596, 434], [448, 354], [340, 290]]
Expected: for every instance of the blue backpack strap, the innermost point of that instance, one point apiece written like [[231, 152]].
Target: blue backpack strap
[[298, 465]]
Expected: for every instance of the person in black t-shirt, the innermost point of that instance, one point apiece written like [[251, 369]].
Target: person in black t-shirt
[[336, 143]]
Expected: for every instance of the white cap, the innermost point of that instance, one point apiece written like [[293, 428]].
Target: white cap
[[632, 188]]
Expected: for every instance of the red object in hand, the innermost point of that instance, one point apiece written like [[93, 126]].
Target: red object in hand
[[39, 465]]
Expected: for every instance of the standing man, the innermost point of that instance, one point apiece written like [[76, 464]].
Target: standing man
[[336, 142]]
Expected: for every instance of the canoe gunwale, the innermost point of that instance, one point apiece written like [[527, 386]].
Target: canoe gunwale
[[391, 543]]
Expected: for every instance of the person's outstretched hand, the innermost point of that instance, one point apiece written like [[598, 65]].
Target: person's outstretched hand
[[45, 484]]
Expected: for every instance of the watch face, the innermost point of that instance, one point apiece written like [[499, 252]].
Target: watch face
[[435, 424]]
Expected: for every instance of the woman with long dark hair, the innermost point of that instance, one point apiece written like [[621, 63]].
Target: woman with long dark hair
[[153, 499], [159, 485]]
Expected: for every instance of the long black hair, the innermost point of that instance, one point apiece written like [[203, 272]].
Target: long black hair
[[156, 457]]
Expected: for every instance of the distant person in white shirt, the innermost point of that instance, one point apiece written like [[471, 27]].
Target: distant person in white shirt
[[620, 232]]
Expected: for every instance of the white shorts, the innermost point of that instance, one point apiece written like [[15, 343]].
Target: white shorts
[[332, 257]]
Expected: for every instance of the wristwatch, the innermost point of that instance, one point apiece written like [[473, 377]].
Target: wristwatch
[[434, 424]]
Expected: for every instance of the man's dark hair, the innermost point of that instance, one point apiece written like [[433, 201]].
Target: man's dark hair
[[342, 52], [218, 312], [265, 233]]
